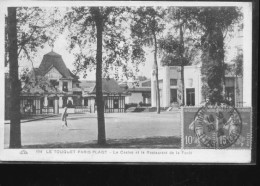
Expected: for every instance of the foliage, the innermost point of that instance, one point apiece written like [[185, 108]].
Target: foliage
[[146, 22], [237, 68], [180, 47], [39, 85], [92, 30], [146, 26], [35, 27], [116, 44], [24, 75], [70, 105], [215, 23], [169, 47]]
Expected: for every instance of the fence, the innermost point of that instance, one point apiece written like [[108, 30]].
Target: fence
[[82, 109], [47, 110], [30, 105], [114, 104]]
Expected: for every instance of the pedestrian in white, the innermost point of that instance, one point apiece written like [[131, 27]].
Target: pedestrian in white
[[64, 116]]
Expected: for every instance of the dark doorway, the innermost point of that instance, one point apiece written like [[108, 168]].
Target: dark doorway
[[190, 96], [230, 95], [85, 101], [173, 95], [50, 102]]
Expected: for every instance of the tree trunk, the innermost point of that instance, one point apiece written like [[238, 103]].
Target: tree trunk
[[15, 125], [224, 81], [220, 52], [181, 50], [99, 94], [182, 83], [156, 76]]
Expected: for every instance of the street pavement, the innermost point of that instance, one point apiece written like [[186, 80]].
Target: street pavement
[[83, 127]]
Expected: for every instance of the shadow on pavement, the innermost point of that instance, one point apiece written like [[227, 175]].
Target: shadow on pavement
[[84, 117], [76, 129], [151, 142], [75, 118]]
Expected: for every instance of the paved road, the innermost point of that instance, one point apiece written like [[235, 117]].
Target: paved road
[[83, 127]]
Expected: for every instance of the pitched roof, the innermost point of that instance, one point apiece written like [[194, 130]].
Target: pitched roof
[[52, 59], [109, 86], [146, 83], [75, 77], [140, 89], [87, 84]]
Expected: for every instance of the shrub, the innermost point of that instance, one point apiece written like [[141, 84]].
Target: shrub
[[130, 105], [70, 105]]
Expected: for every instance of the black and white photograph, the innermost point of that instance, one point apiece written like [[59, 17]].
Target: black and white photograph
[[126, 81]]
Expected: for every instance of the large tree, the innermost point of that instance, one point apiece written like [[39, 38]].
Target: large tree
[[180, 46], [35, 27], [147, 24], [15, 126], [98, 40], [215, 22], [27, 30]]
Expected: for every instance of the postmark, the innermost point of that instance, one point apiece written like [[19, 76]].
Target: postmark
[[216, 127]]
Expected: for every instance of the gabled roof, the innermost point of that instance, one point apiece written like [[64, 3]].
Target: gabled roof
[[109, 86], [145, 83], [52, 59], [75, 78], [87, 86], [140, 89]]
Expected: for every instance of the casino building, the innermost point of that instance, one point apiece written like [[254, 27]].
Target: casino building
[[170, 87], [52, 86]]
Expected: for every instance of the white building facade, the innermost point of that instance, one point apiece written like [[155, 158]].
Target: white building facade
[[170, 87], [139, 94]]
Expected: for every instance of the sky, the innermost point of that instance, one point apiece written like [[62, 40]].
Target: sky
[[61, 45]]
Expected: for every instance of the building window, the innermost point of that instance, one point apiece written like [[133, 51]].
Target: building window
[[146, 84], [173, 82], [54, 83], [190, 96], [116, 104], [65, 86], [77, 85]]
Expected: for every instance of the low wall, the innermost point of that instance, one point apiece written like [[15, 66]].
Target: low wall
[[75, 110]]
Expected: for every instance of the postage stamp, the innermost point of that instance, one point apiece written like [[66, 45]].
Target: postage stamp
[[220, 127]]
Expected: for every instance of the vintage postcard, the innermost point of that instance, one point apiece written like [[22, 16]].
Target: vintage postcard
[[118, 81]]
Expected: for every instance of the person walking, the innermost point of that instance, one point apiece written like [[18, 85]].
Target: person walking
[[64, 116]]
